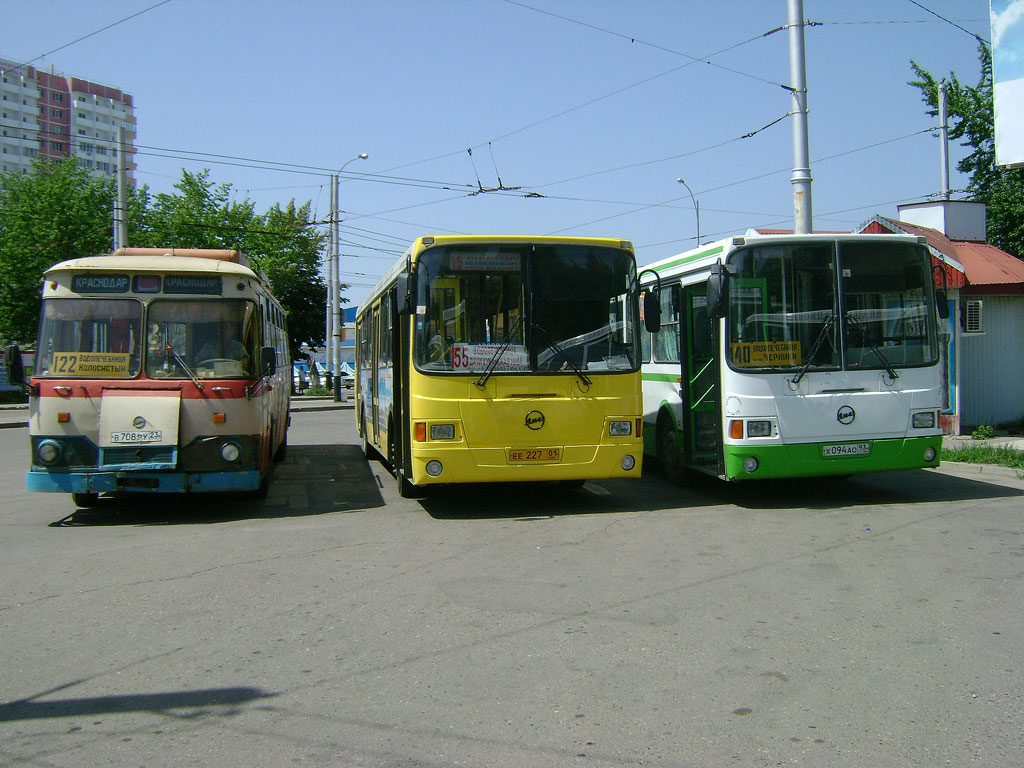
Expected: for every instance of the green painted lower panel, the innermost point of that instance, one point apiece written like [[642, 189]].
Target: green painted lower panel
[[807, 459]]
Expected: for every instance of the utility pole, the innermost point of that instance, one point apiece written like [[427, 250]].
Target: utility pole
[[944, 141], [329, 333], [336, 284], [121, 204], [801, 153]]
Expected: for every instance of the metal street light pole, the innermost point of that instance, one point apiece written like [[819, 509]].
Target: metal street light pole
[[335, 278], [696, 206]]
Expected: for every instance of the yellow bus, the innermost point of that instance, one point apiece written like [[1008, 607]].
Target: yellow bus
[[502, 358]]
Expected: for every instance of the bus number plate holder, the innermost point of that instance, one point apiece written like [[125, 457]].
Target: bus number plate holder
[[533, 455], [845, 449]]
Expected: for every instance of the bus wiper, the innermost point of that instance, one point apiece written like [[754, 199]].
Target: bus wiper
[[822, 335], [493, 362], [554, 345], [874, 347], [177, 358]]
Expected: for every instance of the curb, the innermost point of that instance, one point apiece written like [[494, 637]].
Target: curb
[[993, 471]]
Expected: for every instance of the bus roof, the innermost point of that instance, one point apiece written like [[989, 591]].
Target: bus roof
[[707, 254], [162, 260], [428, 241]]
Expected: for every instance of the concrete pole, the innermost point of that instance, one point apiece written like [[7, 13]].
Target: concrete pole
[[801, 153], [944, 141], [338, 324], [329, 335], [121, 206]]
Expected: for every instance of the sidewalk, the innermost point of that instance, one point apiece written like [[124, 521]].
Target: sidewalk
[[16, 416]]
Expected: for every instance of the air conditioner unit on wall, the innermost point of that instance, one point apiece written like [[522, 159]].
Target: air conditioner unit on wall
[[970, 317]]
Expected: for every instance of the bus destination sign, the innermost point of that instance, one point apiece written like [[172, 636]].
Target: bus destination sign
[[192, 284], [99, 283]]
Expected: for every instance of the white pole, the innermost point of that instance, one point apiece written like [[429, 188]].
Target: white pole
[[329, 334], [121, 206], [944, 141], [338, 327], [801, 153]]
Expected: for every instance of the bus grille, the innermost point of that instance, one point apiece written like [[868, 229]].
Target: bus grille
[[129, 455]]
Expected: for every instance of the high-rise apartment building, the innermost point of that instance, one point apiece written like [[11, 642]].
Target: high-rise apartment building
[[48, 114]]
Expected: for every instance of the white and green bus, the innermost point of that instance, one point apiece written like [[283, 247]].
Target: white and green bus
[[794, 356]]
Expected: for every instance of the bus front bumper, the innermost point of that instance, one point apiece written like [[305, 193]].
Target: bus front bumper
[[142, 482], [824, 459]]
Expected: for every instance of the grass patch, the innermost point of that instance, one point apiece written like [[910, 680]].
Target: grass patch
[[986, 454], [317, 392]]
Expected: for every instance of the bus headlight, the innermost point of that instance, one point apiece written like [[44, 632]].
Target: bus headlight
[[620, 428], [924, 420], [627, 463], [434, 468], [230, 452], [48, 451], [759, 429], [442, 432]]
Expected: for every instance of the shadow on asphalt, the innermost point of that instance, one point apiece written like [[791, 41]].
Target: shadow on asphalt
[[312, 480], [652, 492]]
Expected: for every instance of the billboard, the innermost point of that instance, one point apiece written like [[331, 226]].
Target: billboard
[[1007, 18]]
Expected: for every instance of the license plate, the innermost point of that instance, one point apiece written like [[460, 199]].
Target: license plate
[[534, 455], [846, 449], [150, 436]]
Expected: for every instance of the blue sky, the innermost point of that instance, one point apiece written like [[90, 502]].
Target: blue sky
[[587, 111]]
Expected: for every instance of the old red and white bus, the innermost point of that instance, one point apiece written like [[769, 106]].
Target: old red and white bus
[[157, 371]]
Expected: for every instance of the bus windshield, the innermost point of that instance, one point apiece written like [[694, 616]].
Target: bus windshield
[[525, 308], [93, 338], [201, 338], [831, 306]]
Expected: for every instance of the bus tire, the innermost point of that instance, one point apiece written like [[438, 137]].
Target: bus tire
[[668, 451], [85, 499]]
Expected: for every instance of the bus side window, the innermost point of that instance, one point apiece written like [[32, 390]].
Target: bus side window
[[666, 341]]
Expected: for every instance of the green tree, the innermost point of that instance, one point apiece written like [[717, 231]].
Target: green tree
[[972, 121], [55, 213], [286, 248], [282, 243]]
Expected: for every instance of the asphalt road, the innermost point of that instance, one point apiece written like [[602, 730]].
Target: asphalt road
[[876, 622]]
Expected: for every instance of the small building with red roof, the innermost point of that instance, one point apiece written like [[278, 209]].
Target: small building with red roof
[[984, 360]]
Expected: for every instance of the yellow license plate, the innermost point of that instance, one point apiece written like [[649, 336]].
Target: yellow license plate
[[533, 455]]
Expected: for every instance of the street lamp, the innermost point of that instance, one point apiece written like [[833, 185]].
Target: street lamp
[[334, 324], [696, 206]]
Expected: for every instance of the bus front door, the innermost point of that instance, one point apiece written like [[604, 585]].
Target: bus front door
[[701, 382]]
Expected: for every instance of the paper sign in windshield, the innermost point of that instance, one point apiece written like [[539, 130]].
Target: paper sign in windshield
[[466, 357], [90, 364], [762, 354]]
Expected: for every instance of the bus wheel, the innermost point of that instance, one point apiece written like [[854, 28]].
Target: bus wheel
[[85, 499], [668, 452]]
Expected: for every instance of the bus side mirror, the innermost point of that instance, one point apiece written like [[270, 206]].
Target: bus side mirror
[[405, 287], [942, 303], [652, 312], [268, 360], [15, 367], [718, 290]]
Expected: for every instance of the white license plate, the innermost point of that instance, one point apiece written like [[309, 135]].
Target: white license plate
[[150, 436], [846, 449]]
